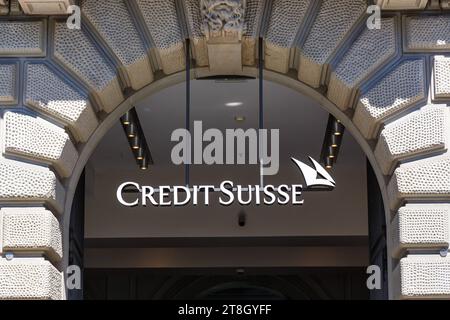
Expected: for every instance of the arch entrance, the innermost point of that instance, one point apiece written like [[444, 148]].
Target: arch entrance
[[216, 231], [65, 88]]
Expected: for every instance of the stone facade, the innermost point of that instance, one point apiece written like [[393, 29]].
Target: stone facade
[[392, 86]]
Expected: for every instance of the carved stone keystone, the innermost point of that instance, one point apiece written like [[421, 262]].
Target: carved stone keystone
[[223, 25]]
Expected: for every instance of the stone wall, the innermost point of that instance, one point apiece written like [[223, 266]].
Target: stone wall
[[58, 85]]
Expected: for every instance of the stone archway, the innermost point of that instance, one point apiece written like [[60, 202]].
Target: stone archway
[[62, 89]]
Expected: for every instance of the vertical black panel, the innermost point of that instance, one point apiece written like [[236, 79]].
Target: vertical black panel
[[76, 246], [377, 232], [119, 285]]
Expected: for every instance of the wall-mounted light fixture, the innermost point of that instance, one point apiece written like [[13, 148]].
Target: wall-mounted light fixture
[[233, 104], [332, 142], [126, 119], [144, 163], [338, 128], [136, 138], [135, 143], [140, 154], [328, 163], [131, 130]]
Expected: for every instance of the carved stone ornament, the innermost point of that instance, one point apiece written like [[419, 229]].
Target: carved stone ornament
[[223, 19]]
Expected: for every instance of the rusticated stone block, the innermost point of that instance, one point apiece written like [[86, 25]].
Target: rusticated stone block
[[254, 12], [8, 91], [31, 230], [423, 277], [76, 51], [30, 279], [427, 33], [419, 180], [276, 58], [49, 94], [23, 182], [332, 24], [162, 22], [113, 21], [402, 4], [441, 77], [422, 132], [38, 139], [396, 92], [195, 24], [286, 18], [371, 50], [23, 38], [46, 7], [419, 226]]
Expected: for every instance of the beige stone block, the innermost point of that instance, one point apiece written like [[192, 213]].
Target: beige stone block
[[225, 58], [30, 279], [420, 180], [402, 4], [420, 226], [173, 59], [277, 58], [200, 52], [31, 230], [423, 277], [26, 183], [37, 139], [48, 94], [423, 132], [249, 51]]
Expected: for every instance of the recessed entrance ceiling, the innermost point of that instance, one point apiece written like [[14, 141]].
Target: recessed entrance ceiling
[[302, 123]]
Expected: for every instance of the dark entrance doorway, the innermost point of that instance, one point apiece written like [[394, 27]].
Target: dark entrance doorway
[[340, 232], [208, 284], [236, 284]]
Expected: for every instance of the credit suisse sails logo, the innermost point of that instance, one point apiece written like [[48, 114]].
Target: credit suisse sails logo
[[228, 193], [312, 176]]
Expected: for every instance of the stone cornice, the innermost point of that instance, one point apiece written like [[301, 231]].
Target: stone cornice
[[413, 4]]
